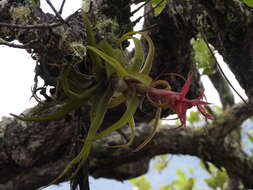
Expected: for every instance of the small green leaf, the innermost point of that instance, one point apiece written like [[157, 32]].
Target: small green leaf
[[112, 61], [35, 3], [183, 183], [159, 6], [202, 56], [132, 105], [167, 187], [194, 117], [161, 163], [191, 171], [211, 182], [249, 3], [250, 137], [160, 166], [218, 177], [141, 182], [181, 175], [217, 109]]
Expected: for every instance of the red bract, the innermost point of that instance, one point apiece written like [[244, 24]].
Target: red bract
[[177, 102]]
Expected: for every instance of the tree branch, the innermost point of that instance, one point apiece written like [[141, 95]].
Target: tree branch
[[34, 153], [230, 120]]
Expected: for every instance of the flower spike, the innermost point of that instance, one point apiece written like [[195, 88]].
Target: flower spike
[[176, 101]]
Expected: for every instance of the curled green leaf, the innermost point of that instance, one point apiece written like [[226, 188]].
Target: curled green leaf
[[121, 71], [97, 116], [147, 66], [84, 94], [143, 78], [67, 107], [138, 58], [131, 139], [96, 62], [153, 132], [116, 101], [248, 2], [132, 105]]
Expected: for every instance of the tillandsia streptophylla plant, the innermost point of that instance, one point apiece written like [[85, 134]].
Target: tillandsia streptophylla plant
[[111, 83], [99, 90]]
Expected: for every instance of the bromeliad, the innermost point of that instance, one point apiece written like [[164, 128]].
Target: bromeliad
[[109, 83]]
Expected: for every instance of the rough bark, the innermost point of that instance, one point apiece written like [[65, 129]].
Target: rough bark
[[231, 34], [33, 153]]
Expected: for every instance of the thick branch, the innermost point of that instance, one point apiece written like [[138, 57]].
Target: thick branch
[[33, 154], [230, 120]]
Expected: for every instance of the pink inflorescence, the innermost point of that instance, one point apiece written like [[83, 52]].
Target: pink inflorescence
[[177, 102]]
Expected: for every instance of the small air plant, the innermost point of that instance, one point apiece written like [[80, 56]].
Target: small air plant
[[111, 83]]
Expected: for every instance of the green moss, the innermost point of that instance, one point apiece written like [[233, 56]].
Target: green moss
[[78, 49], [64, 36], [104, 27], [5, 121], [1, 131], [107, 29], [20, 14]]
